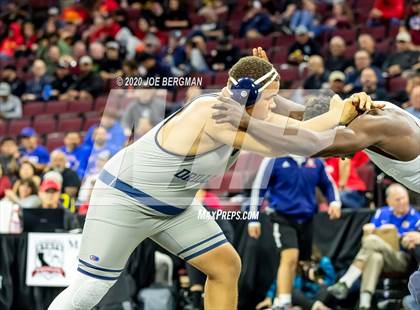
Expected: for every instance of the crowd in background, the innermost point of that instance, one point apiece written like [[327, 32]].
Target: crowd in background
[[52, 53]]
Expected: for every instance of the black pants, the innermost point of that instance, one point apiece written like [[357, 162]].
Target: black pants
[[289, 234]]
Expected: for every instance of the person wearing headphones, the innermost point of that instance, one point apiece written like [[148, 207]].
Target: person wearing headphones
[[147, 190]]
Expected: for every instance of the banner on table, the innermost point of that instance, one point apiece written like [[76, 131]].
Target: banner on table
[[52, 258]]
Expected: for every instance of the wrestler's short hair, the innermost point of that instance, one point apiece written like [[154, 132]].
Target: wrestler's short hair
[[250, 66]]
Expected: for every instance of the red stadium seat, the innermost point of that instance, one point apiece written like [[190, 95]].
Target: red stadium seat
[[383, 46], [67, 116], [80, 106], [367, 174], [44, 126], [212, 45], [54, 140], [33, 108], [100, 103], [348, 35], [397, 84], [279, 56], [16, 126], [239, 42], [291, 73], [284, 41], [56, 107], [221, 78], [378, 33], [180, 94], [90, 121], [264, 42], [350, 51], [71, 124], [3, 128]]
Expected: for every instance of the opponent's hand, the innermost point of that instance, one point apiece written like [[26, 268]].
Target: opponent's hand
[[363, 102], [230, 111], [259, 52], [254, 230], [345, 109]]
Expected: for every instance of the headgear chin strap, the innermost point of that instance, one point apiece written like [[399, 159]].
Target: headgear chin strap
[[246, 90]]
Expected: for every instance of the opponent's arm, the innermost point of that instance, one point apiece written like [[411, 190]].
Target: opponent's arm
[[364, 131]]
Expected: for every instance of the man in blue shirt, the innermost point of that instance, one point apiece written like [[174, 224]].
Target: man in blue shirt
[[290, 183], [377, 255], [71, 149], [30, 149], [109, 121]]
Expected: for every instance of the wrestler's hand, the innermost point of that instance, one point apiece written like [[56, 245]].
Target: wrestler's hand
[[363, 102], [345, 109], [259, 52], [230, 111]]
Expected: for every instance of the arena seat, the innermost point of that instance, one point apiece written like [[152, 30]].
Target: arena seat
[[221, 78], [44, 126], [80, 106], [90, 121], [54, 140], [17, 125], [71, 124], [33, 108], [3, 128], [56, 107], [397, 84], [239, 42], [378, 33], [279, 56], [348, 35], [62, 116], [264, 42], [291, 73], [284, 41]]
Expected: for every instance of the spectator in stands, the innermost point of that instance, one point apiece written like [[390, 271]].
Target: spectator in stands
[[49, 193], [336, 59], [10, 105], [52, 58], [224, 56], [97, 52], [366, 42], [66, 200], [71, 181], [5, 182], [9, 156], [412, 22], [211, 27], [342, 16], [404, 57], [402, 97], [376, 254], [195, 50], [111, 65], [317, 75], [79, 49], [369, 84], [63, 80], [71, 148], [305, 16], [32, 151], [104, 26], [26, 171], [303, 47], [88, 84], [256, 22], [291, 183], [344, 173], [9, 76], [146, 110], [129, 68], [89, 153], [337, 83], [11, 41], [150, 67], [414, 107], [387, 11], [109, 121], [362, 61], [26, 195], [37, 87], [29, 39], [176, 15]]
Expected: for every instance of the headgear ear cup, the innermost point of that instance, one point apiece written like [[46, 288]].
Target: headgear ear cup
[[245, 92]]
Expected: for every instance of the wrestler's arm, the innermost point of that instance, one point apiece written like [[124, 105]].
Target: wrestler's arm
[[364, 131]]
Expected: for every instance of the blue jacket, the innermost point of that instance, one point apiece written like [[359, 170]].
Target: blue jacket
[[290, 187]]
